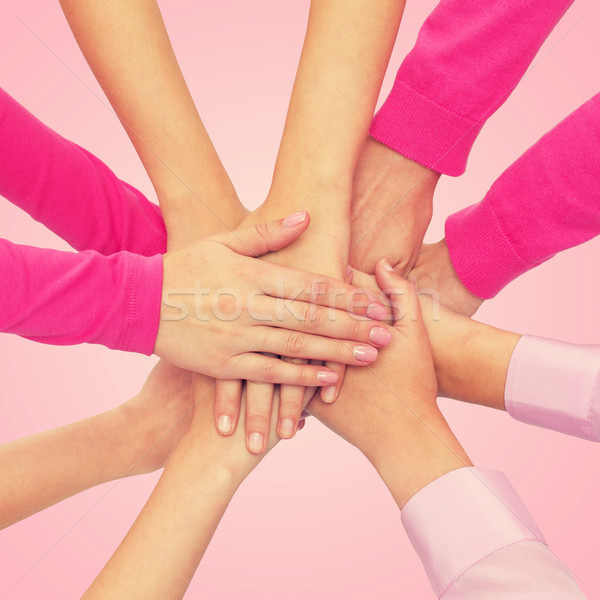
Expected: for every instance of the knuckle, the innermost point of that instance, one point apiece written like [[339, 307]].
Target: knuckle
[[270, 372], [294, 343], [358, 330]]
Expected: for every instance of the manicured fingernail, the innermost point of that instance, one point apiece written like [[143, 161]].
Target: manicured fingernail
[[327, 377], [386, 265], [328, 394], [376, 311], [224, 424], [365, 354], [255, 443], [380, 336], [286, 428], [295, 219]]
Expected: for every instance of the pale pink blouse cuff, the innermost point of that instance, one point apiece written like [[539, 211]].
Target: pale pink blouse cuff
[[555, 385], [463, 517]]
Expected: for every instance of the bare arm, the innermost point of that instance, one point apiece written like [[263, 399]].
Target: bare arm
[[129, 51]]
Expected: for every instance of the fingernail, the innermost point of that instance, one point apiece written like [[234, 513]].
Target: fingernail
[[286, 428], [380, 336], [365, 354], [328, 394], [255, 443], [386, 265], [224, 424], [376, 311], [295, 219], [327, 377]]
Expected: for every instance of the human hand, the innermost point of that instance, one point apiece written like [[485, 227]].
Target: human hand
[[392, 204], [259, 395], [236, 308], [434, 272], [389, 410], [159, 415]]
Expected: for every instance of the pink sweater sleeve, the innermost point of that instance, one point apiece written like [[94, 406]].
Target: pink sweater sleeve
[[555, 385], [71, 191], [469, 56], [477, 540], [68, 298], [547, 201]]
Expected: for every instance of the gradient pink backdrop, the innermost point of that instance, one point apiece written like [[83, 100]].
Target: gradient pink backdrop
[[313, 520]]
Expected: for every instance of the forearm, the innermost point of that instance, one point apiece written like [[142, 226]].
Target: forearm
[[471, 359], [161, 552], [128, 49], [43, 469], [345, 54]]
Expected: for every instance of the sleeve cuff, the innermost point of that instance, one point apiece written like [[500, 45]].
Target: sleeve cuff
[[555, 385], [463, 517], [142, 308], [424, 131], [481, 254]]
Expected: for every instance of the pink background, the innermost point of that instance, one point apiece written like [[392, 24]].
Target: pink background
[[314, 520]]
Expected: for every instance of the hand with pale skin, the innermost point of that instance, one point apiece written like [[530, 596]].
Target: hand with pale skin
[[346, 51], [161, 552], [389, 410], [46, 468], [392, 204], [434, 272], [245, 307]]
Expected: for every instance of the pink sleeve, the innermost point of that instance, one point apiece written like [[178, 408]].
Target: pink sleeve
[[469, 57], [70, 298], [477, 540], [555, 385], [547, 201], [71, 191]]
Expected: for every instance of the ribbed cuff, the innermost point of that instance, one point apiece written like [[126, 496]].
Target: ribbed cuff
[[480, 252], [424, 131], [144, 292], [555, 385], [463, 517]]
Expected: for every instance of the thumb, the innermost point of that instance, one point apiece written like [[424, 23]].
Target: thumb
[[266, 237], [401, 293]]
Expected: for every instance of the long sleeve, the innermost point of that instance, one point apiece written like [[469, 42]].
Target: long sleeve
[[555, 385], [71, 191], [476, 539], [545, 202], [469, 56], [67, 298]]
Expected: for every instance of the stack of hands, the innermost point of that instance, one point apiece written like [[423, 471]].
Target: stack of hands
[[323, 301]]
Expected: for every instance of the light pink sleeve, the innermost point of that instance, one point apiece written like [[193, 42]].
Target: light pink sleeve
[[68, 298], [71, 191], [545, 202], [477, 540], [555, 385], [469, 57]]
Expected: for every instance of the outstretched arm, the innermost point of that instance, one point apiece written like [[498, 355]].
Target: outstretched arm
[[43, 469], [129, 51]]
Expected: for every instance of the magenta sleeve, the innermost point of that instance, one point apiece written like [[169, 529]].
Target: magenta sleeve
[[545, 202], [477, 540], [469, 56], [70, 191], [68, 298]]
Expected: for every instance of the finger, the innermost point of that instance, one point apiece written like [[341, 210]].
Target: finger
[[349, 275], [259, 399], [330, 393], [257, 367], [295, 344], [266, 237], [326, 322], [293, 284], [401, 293], [290, 406], [228, 397]]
